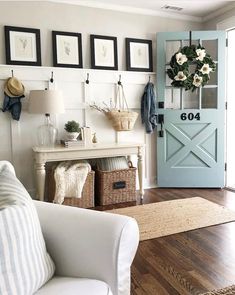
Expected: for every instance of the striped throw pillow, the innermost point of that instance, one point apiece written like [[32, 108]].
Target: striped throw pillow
[[25, 264]]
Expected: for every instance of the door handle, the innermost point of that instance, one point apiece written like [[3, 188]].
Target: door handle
[[161, 132], [161, 121]]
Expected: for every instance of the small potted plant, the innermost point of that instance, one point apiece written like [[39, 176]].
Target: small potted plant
[[73, 130]]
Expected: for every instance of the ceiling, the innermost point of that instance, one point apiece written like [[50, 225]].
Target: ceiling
[[198, 10]]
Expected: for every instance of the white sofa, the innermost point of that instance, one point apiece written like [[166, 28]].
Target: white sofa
[[92, 251]]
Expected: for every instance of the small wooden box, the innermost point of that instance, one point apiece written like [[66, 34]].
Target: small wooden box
[[86, 201], [114, 187]]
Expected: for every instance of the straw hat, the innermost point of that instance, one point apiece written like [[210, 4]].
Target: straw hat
[[13, 87]]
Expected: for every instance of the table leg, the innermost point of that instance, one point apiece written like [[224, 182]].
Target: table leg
[[40, 180], [141, 172]]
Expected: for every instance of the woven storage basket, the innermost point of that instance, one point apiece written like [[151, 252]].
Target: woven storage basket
[[86, 201], [122, 120], [115, 186]]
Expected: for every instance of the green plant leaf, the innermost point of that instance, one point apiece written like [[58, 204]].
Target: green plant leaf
[[72, 126]]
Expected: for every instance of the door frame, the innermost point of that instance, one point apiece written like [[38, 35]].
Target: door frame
[[226, 25]]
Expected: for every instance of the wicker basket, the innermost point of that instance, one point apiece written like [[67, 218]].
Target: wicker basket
[[122, 120], [114, 187], [87, 199]]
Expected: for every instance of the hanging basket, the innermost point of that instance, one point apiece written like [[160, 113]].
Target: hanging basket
[[121, 118]]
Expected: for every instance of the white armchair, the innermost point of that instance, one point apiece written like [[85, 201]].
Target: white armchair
[[92, 251]]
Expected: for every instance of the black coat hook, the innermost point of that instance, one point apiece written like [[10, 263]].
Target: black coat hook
[[119, 82], [87, 78], [52, 80], [149, 79], [12, 73]]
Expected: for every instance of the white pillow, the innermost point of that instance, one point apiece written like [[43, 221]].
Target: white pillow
[[25, 264], [112, 163]]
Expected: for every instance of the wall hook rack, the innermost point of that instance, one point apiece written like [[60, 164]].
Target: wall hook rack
[[12, 73], [87, 78], [52, 79], [119, 81]]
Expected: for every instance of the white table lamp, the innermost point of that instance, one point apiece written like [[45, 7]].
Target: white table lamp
[[46, 102]]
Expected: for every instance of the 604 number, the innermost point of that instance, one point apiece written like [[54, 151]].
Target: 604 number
[[190, 116]]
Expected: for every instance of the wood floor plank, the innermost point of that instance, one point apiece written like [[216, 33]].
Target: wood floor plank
[[187, 263]]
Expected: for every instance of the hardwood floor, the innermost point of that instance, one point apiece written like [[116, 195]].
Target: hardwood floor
[[187, 263]]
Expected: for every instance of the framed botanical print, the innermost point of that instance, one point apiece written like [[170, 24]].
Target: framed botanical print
[[67, 49], [139, 55], [104, 52], [23, 46]]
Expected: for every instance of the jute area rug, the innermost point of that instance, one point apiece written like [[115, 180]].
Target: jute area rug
[[226, 291], [170, 217]]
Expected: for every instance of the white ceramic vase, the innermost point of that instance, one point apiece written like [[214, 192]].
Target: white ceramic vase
[[72, 135]]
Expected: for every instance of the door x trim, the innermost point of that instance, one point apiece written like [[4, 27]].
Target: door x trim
[[190, 145]]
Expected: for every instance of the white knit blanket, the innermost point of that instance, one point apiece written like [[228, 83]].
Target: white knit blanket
[[70, 178]]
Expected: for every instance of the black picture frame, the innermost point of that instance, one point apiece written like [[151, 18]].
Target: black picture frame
[[67, 49], [107, 60], [23, 46], [141, 64]]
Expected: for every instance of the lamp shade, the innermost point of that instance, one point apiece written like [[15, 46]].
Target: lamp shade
[[45, 102]]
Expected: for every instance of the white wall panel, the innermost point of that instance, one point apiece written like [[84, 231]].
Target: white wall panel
[[18, 138], [5, 135], [98, 123], [23, 138], [101, 92], [73, 93], [133, 94]]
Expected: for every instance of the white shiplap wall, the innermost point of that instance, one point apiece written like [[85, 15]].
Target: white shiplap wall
[[17, 138]]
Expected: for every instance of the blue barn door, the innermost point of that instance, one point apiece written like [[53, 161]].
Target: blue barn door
[[190, 142]]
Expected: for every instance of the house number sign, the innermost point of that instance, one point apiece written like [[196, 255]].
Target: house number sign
[[190, 116]]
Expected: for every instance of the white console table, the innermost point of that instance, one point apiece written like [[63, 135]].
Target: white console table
[[43, 155]]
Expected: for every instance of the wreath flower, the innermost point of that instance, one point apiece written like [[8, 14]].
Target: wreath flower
[[180, 76], [205, 70], [181, 58], [197, 80], [201, 53], [184, 60]]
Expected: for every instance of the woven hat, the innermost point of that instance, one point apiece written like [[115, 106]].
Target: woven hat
[[13, 87]]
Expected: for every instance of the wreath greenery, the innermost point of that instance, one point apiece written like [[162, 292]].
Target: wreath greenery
[[184, 60]]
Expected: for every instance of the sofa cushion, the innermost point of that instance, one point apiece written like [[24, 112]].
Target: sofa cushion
[[24, 262], [74, 286]]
